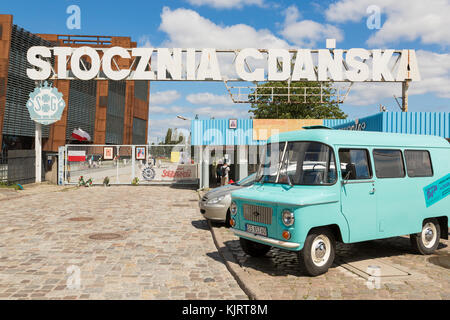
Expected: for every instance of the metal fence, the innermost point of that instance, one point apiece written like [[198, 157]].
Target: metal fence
[[127, 164], [21, 167], [3, 169]]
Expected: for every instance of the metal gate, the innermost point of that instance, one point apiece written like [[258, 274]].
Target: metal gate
[[127, 164]]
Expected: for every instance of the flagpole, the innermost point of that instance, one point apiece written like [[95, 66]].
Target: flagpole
[[38, 152]]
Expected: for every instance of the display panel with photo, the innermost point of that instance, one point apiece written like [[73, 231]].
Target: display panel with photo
[[108, 153], [141, 153]]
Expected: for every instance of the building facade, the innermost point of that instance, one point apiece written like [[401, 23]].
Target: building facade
[[112, 112]]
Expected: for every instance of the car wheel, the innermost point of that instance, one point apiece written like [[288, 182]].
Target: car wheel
[[426, 241], [318, 252], [254, 249]]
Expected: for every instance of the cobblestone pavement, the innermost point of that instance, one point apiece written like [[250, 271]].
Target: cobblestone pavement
[[164, 251], [278, 275]]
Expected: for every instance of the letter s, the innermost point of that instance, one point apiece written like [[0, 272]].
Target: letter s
[[44, 67]]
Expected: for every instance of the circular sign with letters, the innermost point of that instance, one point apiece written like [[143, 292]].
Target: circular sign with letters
[[46, 104]]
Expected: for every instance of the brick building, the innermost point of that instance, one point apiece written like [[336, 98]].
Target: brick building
[[112, 112]]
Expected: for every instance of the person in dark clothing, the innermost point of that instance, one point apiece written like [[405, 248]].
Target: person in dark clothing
[[219, 173]]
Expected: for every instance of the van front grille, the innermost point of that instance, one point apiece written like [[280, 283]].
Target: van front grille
[[258, 214]]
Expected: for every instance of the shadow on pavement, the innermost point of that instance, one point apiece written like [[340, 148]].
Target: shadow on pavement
[[216, 256], [278, 262], [200, 224], [183, 186]]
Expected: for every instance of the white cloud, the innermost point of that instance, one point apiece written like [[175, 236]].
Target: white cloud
[[435, 74], [364, 94], [220, 113], [187, 29], [164, 97], [306, 33], [158, 127], [226, 4], [207, 98], [166, 110], [402, 20], [144, 42]]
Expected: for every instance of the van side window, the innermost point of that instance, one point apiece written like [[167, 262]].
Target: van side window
[[418, 163], [355, 164], [388, 163]]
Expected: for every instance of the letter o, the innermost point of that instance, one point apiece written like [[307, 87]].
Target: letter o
[[95, 63], [107, 59]]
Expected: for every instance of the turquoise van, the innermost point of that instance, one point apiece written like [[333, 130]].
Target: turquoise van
[[318, 186]]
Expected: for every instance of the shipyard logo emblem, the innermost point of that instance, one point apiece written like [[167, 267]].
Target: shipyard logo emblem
[[148, 173], [46, 104]]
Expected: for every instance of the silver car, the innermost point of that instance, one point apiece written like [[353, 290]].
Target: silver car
[[215, 204]]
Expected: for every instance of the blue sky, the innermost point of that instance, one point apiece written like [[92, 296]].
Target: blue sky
[[405, 24]]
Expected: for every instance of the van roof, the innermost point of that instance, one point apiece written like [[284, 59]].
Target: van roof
[[360, 138]]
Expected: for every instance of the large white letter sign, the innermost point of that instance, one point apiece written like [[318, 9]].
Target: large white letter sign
[[181, 64], [95, 63], [45, 67], [328, 63], [190, 64], [360, 70], [279, 75], [107, 61], [257, 74], [408, 68], [169, 63], [61, 53], [144, 55], [304, 59], [380, 65], [209, 66]]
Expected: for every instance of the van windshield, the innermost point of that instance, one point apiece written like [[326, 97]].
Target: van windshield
[[298, 163]]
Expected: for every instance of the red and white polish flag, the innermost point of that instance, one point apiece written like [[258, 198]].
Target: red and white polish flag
[[81, 135], [76, 156]]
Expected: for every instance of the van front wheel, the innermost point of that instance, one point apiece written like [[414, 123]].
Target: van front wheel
[[254, 249], [427, 241], [318, 252]]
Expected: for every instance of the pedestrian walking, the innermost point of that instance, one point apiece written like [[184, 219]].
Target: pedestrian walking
[[225, 174]]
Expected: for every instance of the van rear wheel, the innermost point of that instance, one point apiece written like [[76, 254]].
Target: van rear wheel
[[318, 252], [426, 241], [254, 249]]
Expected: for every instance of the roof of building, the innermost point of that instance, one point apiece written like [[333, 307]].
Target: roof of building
[[347, 137]]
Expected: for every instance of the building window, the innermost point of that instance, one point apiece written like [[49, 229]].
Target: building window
[[418, 163], [141, 90], [388, 163], [139, 131], [355, 164]]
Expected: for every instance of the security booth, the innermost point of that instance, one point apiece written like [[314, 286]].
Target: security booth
[[239, 142]]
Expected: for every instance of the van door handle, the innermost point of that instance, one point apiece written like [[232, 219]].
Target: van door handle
[[372, 191]]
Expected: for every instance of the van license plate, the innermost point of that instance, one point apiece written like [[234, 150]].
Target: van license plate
[[262, 231]]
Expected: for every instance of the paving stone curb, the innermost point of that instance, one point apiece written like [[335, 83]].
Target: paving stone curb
[[230, 262], [233, 266]]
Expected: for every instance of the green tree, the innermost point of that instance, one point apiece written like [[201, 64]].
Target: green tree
[[264, 107], [170, 140]]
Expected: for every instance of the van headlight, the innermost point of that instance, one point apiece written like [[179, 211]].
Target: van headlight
[[215, 200], [288, 218], [233, 208]]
